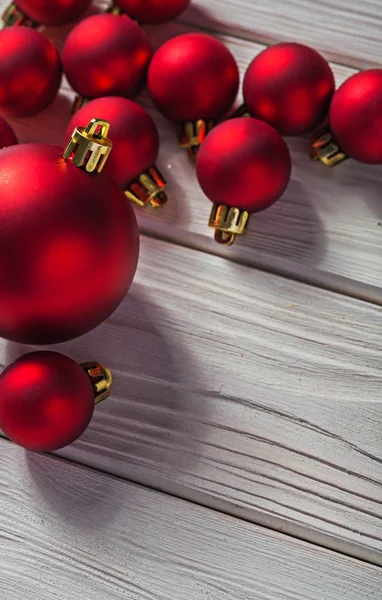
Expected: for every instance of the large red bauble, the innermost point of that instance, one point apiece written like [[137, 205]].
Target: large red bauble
[[356, 116], [153, 11], [134, 134], [193, 76], [53, 12], [30, 72], [7, 135], [106, 55], [68, 246], [46, 401], [244, 163], [290, 87]]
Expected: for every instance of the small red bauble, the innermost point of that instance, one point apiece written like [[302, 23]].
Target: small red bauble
[[135, 147], [68, 244], [7, 135], [356, 116], [243, 167], [106, 55], [47, 399], [46, 12], [152, 12], [30, 72], [289, 86], [193, 80]]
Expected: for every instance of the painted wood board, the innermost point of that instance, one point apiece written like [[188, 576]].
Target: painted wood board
[[326, 230], [348, 31], [244, 391], [69, 532]]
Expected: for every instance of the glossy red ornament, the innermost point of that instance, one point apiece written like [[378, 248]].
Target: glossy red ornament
[[135, 147], [106, 55], [152, 12], [47, 399], [30, 72], [7, 135], [289, 86], [243, 167], [68, 246], [47, 12], [356, 116], [193, 80]]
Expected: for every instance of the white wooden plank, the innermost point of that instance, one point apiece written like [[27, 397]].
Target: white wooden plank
[[326, 227], [243, 391], [68, 532], [348, 31]]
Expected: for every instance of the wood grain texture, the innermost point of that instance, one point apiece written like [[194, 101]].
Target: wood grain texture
[[71, 533], [245, 392], [326, 230], [347, 31]]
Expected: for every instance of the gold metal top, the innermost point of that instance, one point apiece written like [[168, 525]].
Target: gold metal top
[[89, 146], [13, 17], [228, 223], [79, 102], [100, 378], [114, 10], [148, 189], [325, 148], [193, 134]]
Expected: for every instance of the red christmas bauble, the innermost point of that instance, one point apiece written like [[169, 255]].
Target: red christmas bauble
[[356, 116], [134, 134], [244, 163], [46, 401], [7, 135], [30, 72], [68, 246], [153, 11], [290, 87], [106, 55], [53, 12], [193, 76]]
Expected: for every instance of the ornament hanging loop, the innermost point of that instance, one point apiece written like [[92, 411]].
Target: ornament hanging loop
[[224, 238], [90, 146], [228, 222]]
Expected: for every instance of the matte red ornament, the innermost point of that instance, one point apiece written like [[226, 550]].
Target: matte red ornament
[[193, 80], [106, 55], [44, 12], [355, 122], [30, 72], [135, 148], [243, 167], [289, 86], [7, 135], [47, 400], [68, 240], [151, 12]]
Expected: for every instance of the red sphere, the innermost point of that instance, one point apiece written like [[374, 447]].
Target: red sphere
[[153, 11], [356, 116], [193, 76], [7, 135], [244, 163], [46, 401], [106, 55], [290, 87], [30, 72], [134, 134], [53, 12], [68, 246]]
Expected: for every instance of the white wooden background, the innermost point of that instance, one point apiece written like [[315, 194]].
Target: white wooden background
[[247, 380]]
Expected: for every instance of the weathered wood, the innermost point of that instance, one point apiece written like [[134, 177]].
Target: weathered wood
[[72, 533]]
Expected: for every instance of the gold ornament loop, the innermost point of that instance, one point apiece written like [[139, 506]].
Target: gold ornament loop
[[89, 147]]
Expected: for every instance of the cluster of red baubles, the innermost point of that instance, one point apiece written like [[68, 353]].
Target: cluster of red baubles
[[79, 235]]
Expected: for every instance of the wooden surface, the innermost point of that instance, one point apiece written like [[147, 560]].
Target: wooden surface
[[238, 386], [69, 533]]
